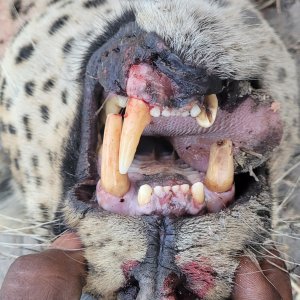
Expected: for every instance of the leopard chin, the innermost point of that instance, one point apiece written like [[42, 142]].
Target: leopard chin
[[156, 131]]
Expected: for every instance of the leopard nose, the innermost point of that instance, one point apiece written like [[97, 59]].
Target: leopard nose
[[173, 289]]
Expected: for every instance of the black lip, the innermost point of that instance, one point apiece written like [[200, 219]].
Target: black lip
[[139, 47]]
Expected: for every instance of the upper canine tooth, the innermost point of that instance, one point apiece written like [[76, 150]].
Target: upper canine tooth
[[195, 111], [220, 172], [111, 180], [198, 192], [144, 195], [208, 114], [136, 118], [155, 112]]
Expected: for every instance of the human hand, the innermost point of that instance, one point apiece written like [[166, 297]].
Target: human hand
[[57, 273], [269, 281]]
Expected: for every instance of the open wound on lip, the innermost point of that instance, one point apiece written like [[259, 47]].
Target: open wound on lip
[[134, 184]]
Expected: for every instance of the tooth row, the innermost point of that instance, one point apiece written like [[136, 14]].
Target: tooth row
[[167, 112], [146, 191], [205, 116], [219, 177]]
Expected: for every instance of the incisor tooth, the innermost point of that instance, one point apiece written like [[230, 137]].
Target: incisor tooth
[[159, 191], [195, 111], [166, 113], [185, 188], [122, 101], [155, 112], [111, 180], [208, 114], [144, 195], [198, 192], [137, 117], [167, 189], [175, 188], [220, 172]]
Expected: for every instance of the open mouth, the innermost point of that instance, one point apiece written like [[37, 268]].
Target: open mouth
[[141, 157], [159, 137]]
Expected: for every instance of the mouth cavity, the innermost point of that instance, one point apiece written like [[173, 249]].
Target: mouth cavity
[[149, 145]]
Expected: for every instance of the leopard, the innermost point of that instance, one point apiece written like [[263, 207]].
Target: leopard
[[61, 76]]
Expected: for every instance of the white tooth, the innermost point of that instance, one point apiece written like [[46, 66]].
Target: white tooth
[[159, 191], [185, 188], [155, 112], [198, 192], [144, 195], [195, 111], [122, 101], [175, 188], [185, 114], [167, 189], [166, 112]]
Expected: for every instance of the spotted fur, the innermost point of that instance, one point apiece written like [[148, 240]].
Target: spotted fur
[[40, 97]]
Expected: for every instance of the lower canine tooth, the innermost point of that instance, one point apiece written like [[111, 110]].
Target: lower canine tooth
[[111, 180], [220, 172], [144, 195], [208, 114], [198, 192], [137, 117]]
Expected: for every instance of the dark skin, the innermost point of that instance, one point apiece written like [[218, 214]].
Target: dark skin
[[60, 273]]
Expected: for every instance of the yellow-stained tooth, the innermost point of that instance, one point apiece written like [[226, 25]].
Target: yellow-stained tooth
[[198, 192], [220, 172], [111, 180], [208, 113], [137, 117]]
